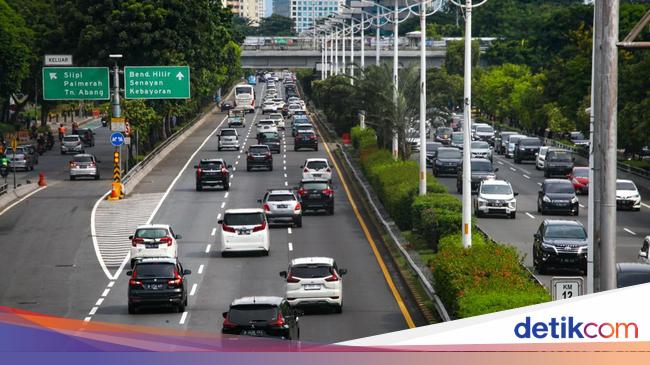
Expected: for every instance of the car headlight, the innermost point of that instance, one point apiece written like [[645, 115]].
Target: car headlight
[[574, 199], [513, 203], [482, 201], [635, 197], [545, 245], [546, 199]]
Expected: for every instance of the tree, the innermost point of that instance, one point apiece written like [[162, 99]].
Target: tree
[[444, 92], [557, 123], [276, 25], [455, 56]]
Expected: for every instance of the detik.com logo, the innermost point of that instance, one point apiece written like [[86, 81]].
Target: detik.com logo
[[568, 327]]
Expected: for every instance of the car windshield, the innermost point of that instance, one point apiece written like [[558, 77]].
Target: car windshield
[[443, 131], [625, 185], [311, 271], [496, 189], [269, 136], [316, 165], [281, 197], [266, 122], [151, 233], [259, 149], [514, 139], [210, 165], [82, 159], [565, 231], [71, 138], [157, 270], [483, 166], [315, 186], [484, 129], [19, 151], [581, 172], [245, 314], [242, 90], [560, 156], [577, 135], [228, 132], [457, 137], [449, 154], [243, 219], [531, 142], [564, 187], [480, 145]]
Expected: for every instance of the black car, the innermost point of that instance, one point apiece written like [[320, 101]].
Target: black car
[[316, 194], [526, 149], [305, 139], [262, 317], [443, 135], [448, 161], [271, 139], [481, 170], [226, 105], [558, 163], [259, 156], [87, 136], [432, 152], [157, 282], [560, 244], [632, 273], [212, 172], [558, 196]]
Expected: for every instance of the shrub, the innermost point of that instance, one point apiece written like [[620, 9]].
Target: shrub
[[363, 138], [436, 215]]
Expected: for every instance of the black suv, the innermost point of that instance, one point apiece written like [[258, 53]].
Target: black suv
[[305, 139], [560, 244], [481, 170], [448, 161], [211, 172], [259, 156], [271, 139], [262, 317], [558, 195], [558, 162], [316, 194], [432, 152], [443, 135], [157, 281], [526, 149]]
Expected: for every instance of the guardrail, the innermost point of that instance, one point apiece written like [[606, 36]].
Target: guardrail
[[3, 188]]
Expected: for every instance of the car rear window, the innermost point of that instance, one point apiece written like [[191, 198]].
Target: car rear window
[[259, 149], [157, 270], [70, 138], [565, 231], [151, 233], [480, 145], [560, 187], [311, 271], [243, 219], [82, 159], [208, 165], [281, 197], [558, 156], [245, 314], [531, 142], [228, 132], [484, 129], [442, 131], [266, 122], [315, 186], [451, 154], [484, 166], [317, 165], [581, 172], [457, 137]]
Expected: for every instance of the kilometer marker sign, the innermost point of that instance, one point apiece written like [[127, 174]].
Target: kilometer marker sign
[[157, 82]]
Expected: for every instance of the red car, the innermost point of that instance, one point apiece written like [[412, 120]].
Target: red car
[[579, 176]]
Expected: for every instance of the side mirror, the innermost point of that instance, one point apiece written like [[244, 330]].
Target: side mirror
[[283, 274], [178, 237], [129, 273], [259, 200], [220, 221], [224, 314], [343, 271], [515, 193], [131, 237], [496, 169], [187, 272], [537, 235]]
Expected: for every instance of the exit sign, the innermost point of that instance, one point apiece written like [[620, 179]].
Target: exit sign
[[157, 82], [75, 83]]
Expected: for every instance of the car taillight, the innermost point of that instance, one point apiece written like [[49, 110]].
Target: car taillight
[[312, 137], [328, 191], [167, 240], [268, 155], [279, 322], [267, 208], [301, 192], [260, 227], [292, 279], [228, 228], [297, 207], [249, 157], [305, 170], [136, 241], [228, 324], [333, 277], [92, 164], [198, 171], [177, 281], [133, 281]]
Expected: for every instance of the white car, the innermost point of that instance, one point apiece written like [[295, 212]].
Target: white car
[[266, 125], [228, 138], [154, 240], [316, 169], [269, 106], [293, 108], [540, 159], [495, 197], [314, 281], [244, 230], [627, 195], [278, 119]]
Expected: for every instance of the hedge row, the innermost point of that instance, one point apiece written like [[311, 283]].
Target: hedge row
[[487, 277], [363, 138]]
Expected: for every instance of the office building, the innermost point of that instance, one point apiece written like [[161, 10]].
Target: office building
[[282, 7], [304, 12]]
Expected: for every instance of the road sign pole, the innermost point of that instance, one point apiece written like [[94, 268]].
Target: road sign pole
[[117, 111]]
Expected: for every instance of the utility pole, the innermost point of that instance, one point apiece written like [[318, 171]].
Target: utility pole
[[423, 99], [467, 127], [363, 40], [336, 53], [395, 145], [352, 51]]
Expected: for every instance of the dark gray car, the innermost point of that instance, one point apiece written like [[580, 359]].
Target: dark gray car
[[481, 170]]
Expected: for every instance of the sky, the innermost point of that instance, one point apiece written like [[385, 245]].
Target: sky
[[269, 7]]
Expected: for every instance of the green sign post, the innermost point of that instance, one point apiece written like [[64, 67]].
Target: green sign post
[[75, 83], [157, 82]]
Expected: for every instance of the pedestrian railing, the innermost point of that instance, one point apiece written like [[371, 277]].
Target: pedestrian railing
[[3, 188]]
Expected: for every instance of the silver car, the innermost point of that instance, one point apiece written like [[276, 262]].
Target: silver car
[[84, 165], [481, 149], [72, 143], [512, 141], [282, 206], [228, 138], [19, 159]]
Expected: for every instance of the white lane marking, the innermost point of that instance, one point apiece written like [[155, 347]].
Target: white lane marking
[[207, 248], [530, 215], [646, 205], [500, 163], [110, 285], [87, 319], [581, 206], [93, 311], [285, 156], [214, 231], [284, 162], [106, 291], [223, 204], [183, 318], [238, 157], [285, 175], [513, 169], [21, 199], [226, 194], [289, 230], [236, 162], [193, 291], [229, 183], [286, 183], [527, 177], [284, 167], [232, 175], [629, 231], [200, 269], [290, 246], [99, 301], [234, 169], [539, 183]]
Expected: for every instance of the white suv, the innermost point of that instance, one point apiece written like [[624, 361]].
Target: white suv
[[228, 138], [316, 169], [154, 240], [540, 157], [244, 230], [278, 119], [314, 281], [496, 197]]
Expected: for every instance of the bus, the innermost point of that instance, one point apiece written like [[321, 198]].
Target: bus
[[245, 97]]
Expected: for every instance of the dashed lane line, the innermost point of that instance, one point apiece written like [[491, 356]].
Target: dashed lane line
[[193, 291], [183, 318], [200, 271], [290, 246], [214, 231], [289, 230], [207, 248], [526, 176], [629, 231], [530, 215]]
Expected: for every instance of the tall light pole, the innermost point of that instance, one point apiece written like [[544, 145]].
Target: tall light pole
[[336, 53], [423, 100], [377, 48], [331, 66], [352, 50], [323, 57], [363, 41], [395, 144]]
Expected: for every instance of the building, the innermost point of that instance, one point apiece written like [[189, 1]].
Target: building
[[304, 12], [234, 5], [249, 10], [261, 9], [282, 7]]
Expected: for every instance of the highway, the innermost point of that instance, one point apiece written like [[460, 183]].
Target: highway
[[95, 287]]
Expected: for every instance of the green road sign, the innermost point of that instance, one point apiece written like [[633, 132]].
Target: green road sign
[[75, 83], [157, 82]]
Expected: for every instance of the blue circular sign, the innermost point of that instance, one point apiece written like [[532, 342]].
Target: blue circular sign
[[117, 139]]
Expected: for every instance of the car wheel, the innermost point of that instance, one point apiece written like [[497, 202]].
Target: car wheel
[[270, 167], [541, 268], [266, 252], [132, 308], [218, 148], [224, 254], [97, 177], [330, 210], [338, 308], [199, 187], [180, 308], [546, 174], [536, 167], [295, 148], [248, 168], [539, 208], [577, 212], [513, 215]]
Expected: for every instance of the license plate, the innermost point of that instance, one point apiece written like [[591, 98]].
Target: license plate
[[155, 286], [282, 206], [314, 196], [317, 175], [245, 231], [151, 245], [311, 287], [257, 333]]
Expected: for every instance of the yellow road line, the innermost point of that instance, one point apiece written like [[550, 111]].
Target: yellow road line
[[362, 223]]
